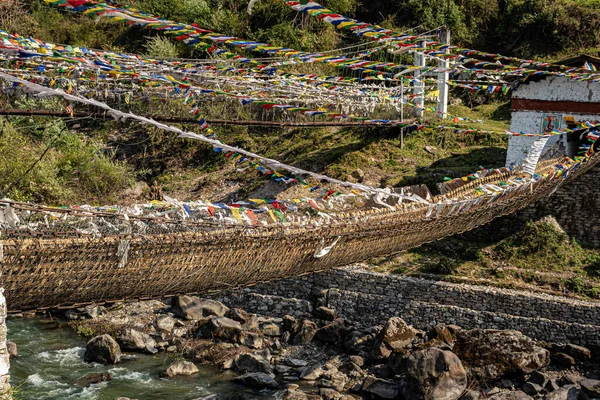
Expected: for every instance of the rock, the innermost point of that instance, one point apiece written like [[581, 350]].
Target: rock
[[591, 387], [397, 334], [551, 386], [490, 354], [285, 337], [289, 323], [93, 311], [102, 349], [532, 388], [430, 149], [305, 332], [248, 362], [569, 379], [357, 360], [294, 394], [563, 393], [436, 374], [507, 383], [335, 380], [325, 313], [183, 368], [257, 379], [518, 395], [239, 315], [93, 379], [538, 378], [311, 373], [381, 388], [332, 333], [471, 395], [359, 175], [193, 308], [11, 347], [296, 363], [329, 394], [164, 323], [270, 329], [563, 359], [130, 339], [381, 352], [579, 353], [251, 340], [355, 341], [220, 328], [440, 335], [282, 369], [171, 349]]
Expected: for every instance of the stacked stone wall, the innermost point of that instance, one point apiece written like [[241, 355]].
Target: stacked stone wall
[[371, 298]]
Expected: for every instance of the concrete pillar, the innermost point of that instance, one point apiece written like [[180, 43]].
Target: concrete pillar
[[442, 104], [419, 87]]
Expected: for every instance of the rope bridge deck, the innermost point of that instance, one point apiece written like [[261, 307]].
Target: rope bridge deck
[[45, 268]]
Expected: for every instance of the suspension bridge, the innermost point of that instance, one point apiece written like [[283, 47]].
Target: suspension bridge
[[53, 257]]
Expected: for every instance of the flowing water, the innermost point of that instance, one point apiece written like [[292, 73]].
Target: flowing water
[[51, 360]]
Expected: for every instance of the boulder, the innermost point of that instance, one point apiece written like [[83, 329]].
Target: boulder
[[93, 379], [490, 354], [325, 313], [334, 380], [164, 323], [591, 387], [551, 386], [332, 333], [248, 362], [518, 395], [329, 394], [471, 395], [579, 353], [296, 362], [194, 308], [181, 368], [355, 341], [257, 379], [440, 336], [239, 315], [311, 373], [563, 393], [102, 349], [220, 328], [538, 378], [380, 353], [130, 339], [563, 359], [11, 347], [252, 340], [290, 323], [305, 332], [381, 388], [397, 334], [436, 374], [532, 388], [292, 393], [270, 329]]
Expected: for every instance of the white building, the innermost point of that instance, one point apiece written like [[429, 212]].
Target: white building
[[544, 103]]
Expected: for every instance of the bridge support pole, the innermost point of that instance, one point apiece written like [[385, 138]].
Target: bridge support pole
[[5, 390]]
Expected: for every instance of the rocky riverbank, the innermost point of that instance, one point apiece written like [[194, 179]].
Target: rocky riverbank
[[323, 356]]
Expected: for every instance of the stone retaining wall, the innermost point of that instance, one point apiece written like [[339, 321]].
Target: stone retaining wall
[[371, 298]]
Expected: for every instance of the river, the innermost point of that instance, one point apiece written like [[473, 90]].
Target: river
[[51, 360]]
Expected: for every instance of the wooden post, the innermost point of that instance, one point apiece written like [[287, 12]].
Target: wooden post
[[442, 104], [5, 391]]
